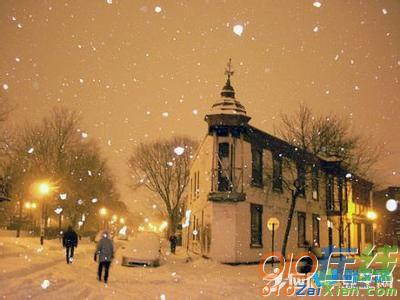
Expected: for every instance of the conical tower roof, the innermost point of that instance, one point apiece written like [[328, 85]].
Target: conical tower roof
[[228, 106]]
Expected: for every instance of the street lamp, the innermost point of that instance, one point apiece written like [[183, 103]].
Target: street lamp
[[371, 215], [122, 221], [103, 214], [43, 189]]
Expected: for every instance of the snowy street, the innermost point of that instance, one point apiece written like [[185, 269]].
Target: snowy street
[[25, 266]]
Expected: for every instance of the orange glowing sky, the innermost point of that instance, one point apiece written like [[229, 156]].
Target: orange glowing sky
[[122, 65]]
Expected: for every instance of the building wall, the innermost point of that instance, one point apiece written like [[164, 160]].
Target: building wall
[[229, 223]]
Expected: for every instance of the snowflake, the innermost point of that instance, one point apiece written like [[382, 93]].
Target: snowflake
[[89, 173], [316, 29], [63, 196], [94, 200], [158, 9], [17, 59], [179, 150], [317, 4], [163, 297], [238, 29], [30, 151], [45, 284], [195, 111], [165, 114], [109, 1], [5, 86], [84, 135], [384, 11]]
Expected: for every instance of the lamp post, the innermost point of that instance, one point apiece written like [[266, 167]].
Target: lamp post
[[103, 214], [43, 189]]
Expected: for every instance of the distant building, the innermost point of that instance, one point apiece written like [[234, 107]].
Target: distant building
[[238, 188], [388, 224]]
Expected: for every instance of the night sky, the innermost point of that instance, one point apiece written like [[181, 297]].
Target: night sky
[[138, 70]]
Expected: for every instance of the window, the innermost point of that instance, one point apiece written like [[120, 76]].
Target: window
[[257, 176], [223, 168], [315, 225], [330, 192], [277, 172], [315, 182], [301, 177], [301, 228], [256, 225]]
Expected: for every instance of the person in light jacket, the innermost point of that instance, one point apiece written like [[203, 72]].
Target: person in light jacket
[[104, 254]]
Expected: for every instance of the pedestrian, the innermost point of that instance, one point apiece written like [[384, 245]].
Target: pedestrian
[[104, 254], [70, 242], [173, 240]]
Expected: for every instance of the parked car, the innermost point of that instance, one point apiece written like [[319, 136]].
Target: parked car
[[143, 249]]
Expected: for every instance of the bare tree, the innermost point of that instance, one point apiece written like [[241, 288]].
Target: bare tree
[[328, 135], [163, 167], [54, 149]]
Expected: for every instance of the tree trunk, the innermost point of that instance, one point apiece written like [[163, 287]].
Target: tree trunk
[[295, 194]]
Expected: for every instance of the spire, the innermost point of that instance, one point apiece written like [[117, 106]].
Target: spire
[[227, 90], [227, 110]]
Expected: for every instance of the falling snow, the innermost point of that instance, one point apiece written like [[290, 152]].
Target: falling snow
[[317, 4], [238, 29]]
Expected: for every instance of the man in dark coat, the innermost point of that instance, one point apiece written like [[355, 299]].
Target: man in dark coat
[[105, 254], [173, 240], [70, 241]]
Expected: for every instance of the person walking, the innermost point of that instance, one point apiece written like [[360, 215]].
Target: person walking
[[70, 242], [104, 254], [173, 240]]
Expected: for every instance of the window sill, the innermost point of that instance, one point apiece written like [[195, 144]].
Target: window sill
[[277, 190], [256, 245]]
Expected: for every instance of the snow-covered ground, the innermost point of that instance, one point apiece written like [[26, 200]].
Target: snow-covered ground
[[28, 270], [24, 267]]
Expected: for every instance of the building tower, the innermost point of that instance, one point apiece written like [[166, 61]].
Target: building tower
[[227, 121]]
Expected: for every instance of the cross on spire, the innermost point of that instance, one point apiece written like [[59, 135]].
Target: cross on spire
[[229, 70]]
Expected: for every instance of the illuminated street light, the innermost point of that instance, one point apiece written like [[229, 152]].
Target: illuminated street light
[[44, 188], [103, 211], [372, 215], [103, 214], [122, 221], [114, 218]]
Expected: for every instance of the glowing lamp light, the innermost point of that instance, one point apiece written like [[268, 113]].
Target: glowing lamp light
[[391, 205], [122, 221], [163, 225], [103, 211], [44, 188], [372, 215]]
